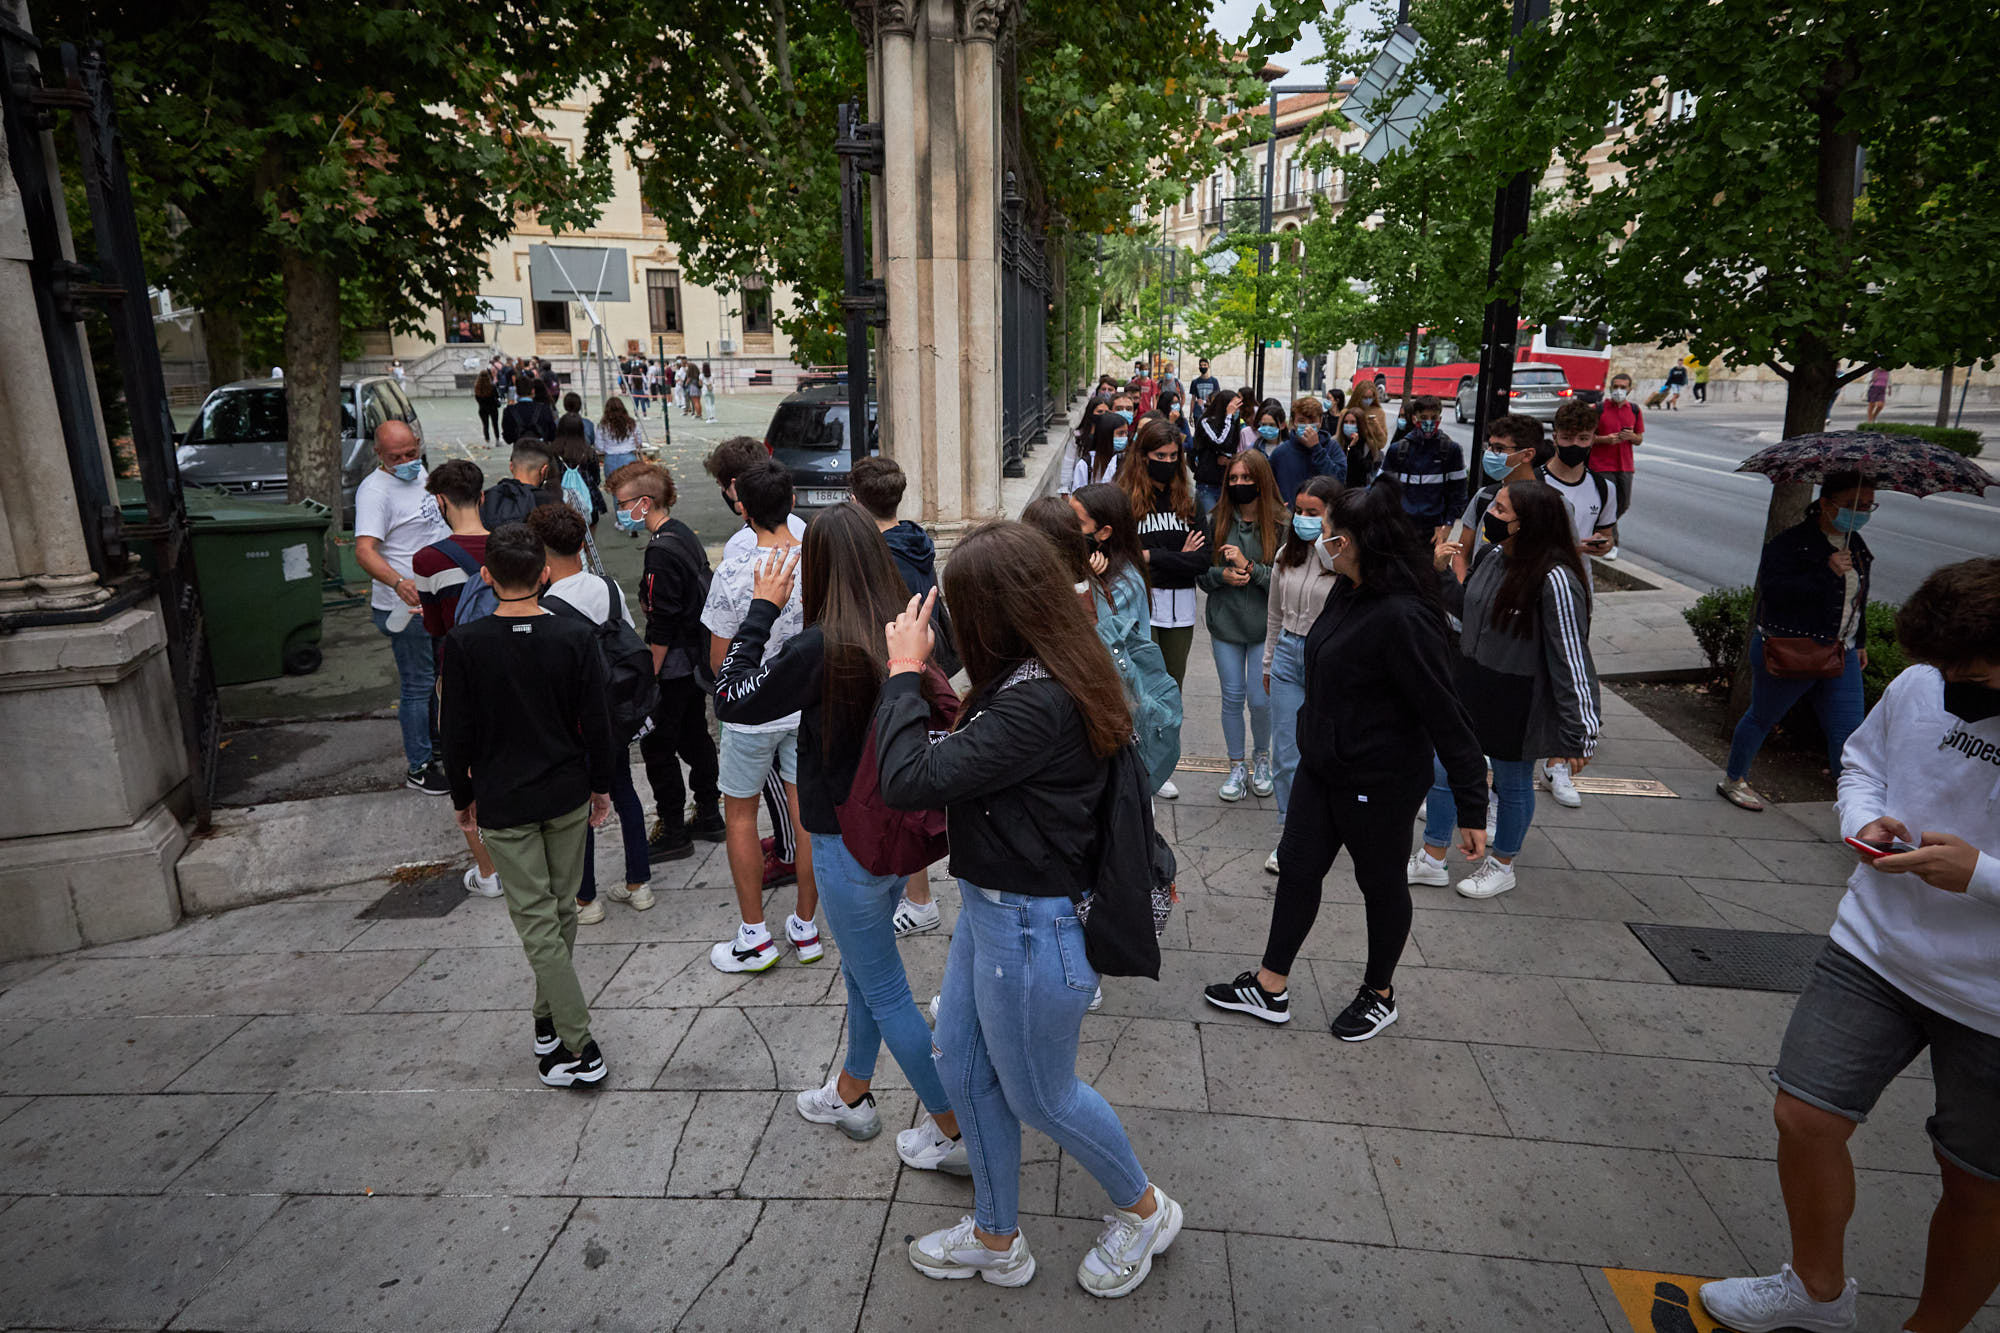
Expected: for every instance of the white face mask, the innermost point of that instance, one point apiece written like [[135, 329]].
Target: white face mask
[[1325, 560], [1616, 395]]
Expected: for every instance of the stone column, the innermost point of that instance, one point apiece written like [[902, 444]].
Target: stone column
[[933, 73]]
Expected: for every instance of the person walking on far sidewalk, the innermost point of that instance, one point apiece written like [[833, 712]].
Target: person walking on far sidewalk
[[1909, 967], [1379, 702], [1700, 380], [1813, 590], [529, 756], [1019, 778], [394, 518], [1523, 671], [1621, 427], [1300, 582], [1878, 391]]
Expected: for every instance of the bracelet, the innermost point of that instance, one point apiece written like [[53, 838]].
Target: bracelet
[[914, 664]]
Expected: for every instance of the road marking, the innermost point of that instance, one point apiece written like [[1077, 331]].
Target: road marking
[[1673, 455], [1661, 1302]]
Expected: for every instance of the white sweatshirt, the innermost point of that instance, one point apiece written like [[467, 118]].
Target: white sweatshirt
[[1914, 761]]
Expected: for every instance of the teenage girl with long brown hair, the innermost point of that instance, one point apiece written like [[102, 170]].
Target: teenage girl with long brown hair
[[1172, 533], [1249, 520]]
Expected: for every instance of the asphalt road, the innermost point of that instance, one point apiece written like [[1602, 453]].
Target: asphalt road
[[1702, 522]]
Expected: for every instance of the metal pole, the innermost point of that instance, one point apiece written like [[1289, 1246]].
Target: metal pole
[[1264, 234]]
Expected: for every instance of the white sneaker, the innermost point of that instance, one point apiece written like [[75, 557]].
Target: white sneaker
[[1489, 881], [804, 937], [1096, 1000], [1611, 554], [484, 886], [1235, 786], [915, 918], [956, 1253], [1554, 779], [932, 1008], [1760, 1304], [1262, 781], [823, 1106], [1424, 870], [1271, 863], [741, 953], [928, 1148], [590, 913], [1168, 791], [639, 898], [1124, 1251]]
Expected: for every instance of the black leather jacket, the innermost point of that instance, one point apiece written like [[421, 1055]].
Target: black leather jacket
[[1799, 594]]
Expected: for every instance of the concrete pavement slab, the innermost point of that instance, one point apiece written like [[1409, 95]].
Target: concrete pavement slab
[[796, 1159], [768, 1284], [1443, 1004], [276, 983], [117, 1262], [1702, 818], [717, 1142], [1629, 1101], [346, 1052], [287, 928], [1239, 927], [1579, 894], [1668, 898], [1682, 1022], [1806, 907], [1309, 1286], [1528, 946], [496, 977], [453, 1265], [1706, 855], [1567, 1203], [678, 975], [771, 1049], [131, 1144], [1143, 1062], [1188, 1289], [1802, 862], [1041, 1160], [625, 1266], [1310, 1075], [107, 1054], [476, 923], [1199, 1158], [13, 974], [9, 1105]]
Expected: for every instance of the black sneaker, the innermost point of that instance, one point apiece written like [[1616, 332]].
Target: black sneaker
[[665, 844], [707, 825], [546, 1041], [429, 780], [1366, 1015], [560, 1069], [1246, 996]]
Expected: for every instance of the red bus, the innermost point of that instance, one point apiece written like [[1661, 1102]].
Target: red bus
[[1581, 350]]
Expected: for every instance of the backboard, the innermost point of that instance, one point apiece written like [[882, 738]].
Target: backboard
[[579, 273]]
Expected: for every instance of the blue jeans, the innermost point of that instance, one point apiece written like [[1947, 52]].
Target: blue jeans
[[1837, 701], [612, 462], [1240, 667], [1513, 794], [1016, 987], [879, 1004], [416, 669], [631, 830], [1208, 495], [1288, 695]]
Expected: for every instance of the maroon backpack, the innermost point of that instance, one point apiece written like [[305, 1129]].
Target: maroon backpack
[[887, 841]]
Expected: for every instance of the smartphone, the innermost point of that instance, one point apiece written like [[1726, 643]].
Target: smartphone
[[1876, 850]]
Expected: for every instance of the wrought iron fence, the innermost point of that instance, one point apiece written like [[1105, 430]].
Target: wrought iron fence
[[1025, 289]]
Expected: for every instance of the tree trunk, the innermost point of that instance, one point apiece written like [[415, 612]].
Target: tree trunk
[[1410, 369], [1944, 398], [312, 388], [223, 333]]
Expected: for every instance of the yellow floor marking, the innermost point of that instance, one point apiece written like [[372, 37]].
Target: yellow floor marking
[[1661, 1302]]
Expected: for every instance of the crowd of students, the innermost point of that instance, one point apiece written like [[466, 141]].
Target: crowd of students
[[1391, 638]]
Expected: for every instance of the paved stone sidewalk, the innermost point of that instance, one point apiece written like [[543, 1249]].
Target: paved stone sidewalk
[[287, 1118]]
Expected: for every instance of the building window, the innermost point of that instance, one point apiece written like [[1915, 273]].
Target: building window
[[551, 317], [663, 299], [756, 306]]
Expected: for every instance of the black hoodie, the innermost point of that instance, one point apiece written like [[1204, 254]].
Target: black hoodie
[[915, 555]]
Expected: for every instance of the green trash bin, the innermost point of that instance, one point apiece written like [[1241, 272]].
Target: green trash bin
[[258, 568]]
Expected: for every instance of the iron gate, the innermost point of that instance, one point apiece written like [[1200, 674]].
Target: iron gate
[[1025, 288]]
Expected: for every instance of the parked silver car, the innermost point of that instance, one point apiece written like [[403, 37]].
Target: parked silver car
[[237, 439], [1539, 389]]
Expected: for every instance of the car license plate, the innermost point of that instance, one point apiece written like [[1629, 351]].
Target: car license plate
[[823, 498]]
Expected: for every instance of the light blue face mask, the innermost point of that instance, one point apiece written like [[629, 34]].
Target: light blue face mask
[[1850, 520], [1267, 432], [1402, 423], [407, 471], [627, 520], [1307, 526], [1495, 465], [1126, 415], [1118, 443]]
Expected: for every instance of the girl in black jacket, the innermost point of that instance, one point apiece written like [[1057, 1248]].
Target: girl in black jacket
[[1213, 444], [1019, 778], [1378, 703], [1172, 527], [831, 674], [1812, 584]]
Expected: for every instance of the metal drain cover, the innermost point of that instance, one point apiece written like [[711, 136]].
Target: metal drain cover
[[1773, 960]]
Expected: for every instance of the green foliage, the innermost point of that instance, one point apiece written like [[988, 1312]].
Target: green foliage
[[1885, 655], [1721, 624], [1954, 438]]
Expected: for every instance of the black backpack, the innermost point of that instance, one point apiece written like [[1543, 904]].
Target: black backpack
[[1120, 930], [631, 688]]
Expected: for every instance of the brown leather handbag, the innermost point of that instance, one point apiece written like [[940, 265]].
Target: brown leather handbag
[[1796, 657]]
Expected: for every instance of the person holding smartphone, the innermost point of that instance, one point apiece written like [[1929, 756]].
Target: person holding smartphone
[[1910, 966]]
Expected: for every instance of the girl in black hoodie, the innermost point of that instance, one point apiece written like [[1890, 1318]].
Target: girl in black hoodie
[[1171, 524]]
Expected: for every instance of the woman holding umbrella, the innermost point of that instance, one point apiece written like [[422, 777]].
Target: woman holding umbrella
[[1810, 626]]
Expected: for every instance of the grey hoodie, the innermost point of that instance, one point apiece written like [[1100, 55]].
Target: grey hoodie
[[1548, 671]]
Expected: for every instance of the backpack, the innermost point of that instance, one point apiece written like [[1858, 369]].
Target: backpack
[[476, 599], [1120, 935], [887, 841], [508, 501], [1154, 697], [631, 689]]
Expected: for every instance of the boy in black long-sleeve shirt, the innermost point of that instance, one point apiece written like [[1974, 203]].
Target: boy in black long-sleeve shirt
[[1429, 466], [529, 754]]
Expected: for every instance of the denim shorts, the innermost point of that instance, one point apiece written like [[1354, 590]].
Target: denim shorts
[[747, 756], [1853, 1032]]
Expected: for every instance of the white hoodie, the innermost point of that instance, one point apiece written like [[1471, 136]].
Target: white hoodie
[[1935, 772]]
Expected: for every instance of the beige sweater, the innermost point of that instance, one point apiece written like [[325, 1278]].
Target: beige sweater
[[1297, 594]]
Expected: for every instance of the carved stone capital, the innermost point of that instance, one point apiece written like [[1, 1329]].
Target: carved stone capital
[[983, 20], [898, 16], [863, 14]]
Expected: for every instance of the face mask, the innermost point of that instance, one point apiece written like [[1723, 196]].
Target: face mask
[[1494, 527], [407, 471], [1402, 423], [1127, 415], [1118, 443], [1242, 493], [1267, 432], [1349, 429], [1163, 471], [1616, 395], [629, 520], [1970, 701], [1307, 526], [1850, 520], [1325, 556], [729, 500], [1423, 426], [1326, 405], [1572, 454], [1495, 465]]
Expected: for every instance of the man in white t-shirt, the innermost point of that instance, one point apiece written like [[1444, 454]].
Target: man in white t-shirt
[[1593, 502], [749, 751], [394, 518]]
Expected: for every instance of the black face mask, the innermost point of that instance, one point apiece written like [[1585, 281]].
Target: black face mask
[[729, 500], [1572, 454], [1242, 493], [1970, 701], [1163, 471], [1495, 528]]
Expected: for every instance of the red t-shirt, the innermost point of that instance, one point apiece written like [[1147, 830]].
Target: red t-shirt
[[1148, 391], [1612, 418], [439, 581]]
